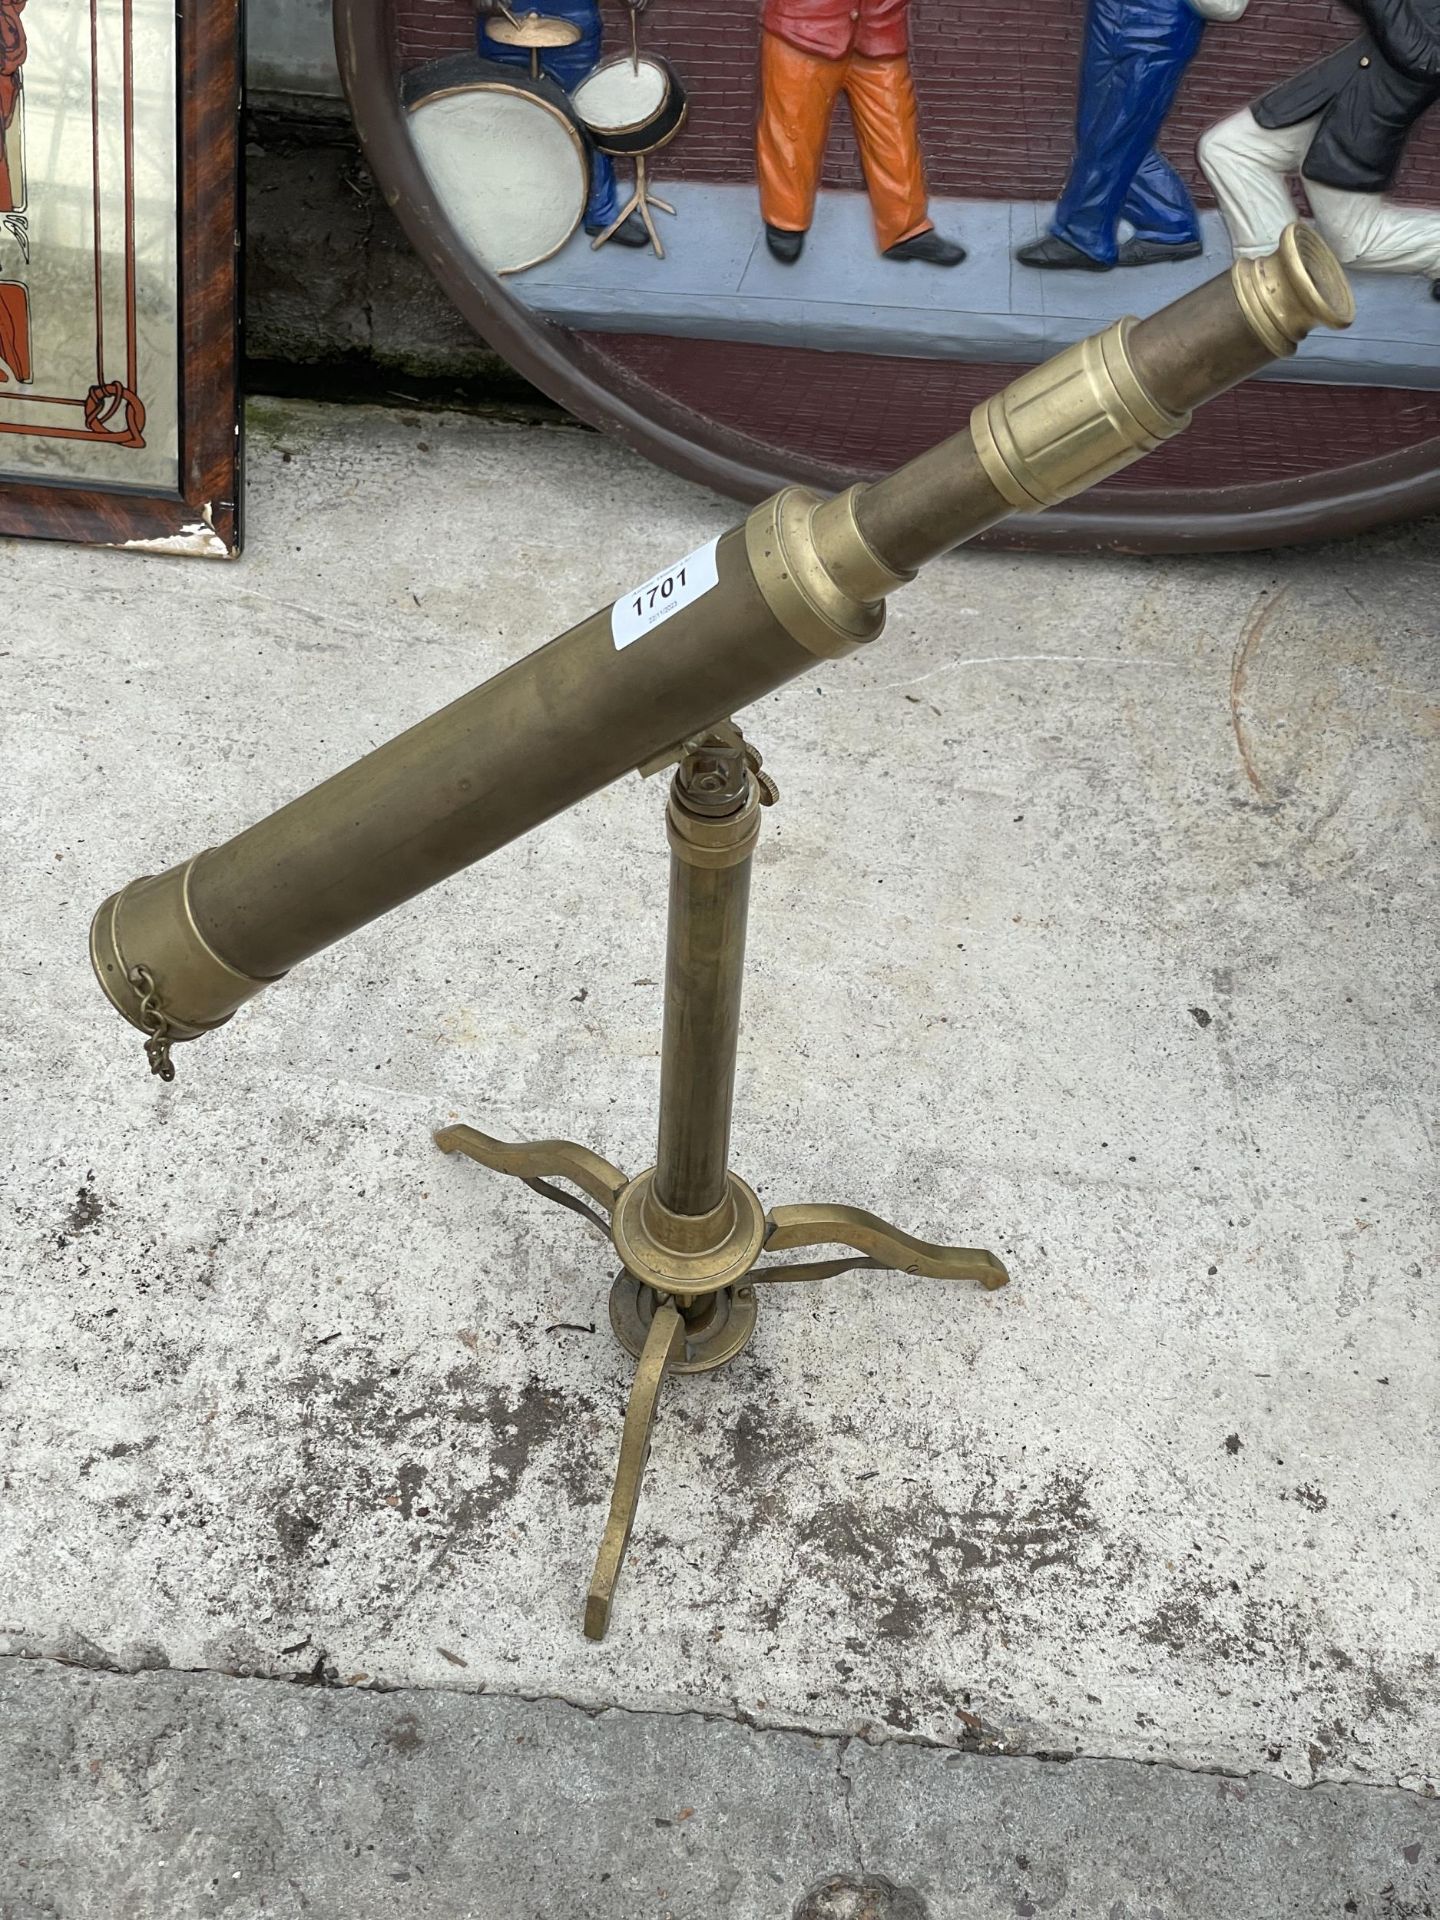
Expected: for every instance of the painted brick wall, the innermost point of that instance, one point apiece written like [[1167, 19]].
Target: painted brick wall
[[782, 397], [996, 86]]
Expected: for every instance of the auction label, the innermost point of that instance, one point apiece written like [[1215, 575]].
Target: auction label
[[644, 608]]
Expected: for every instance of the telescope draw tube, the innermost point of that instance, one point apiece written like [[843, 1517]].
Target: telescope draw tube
[[804, 579]]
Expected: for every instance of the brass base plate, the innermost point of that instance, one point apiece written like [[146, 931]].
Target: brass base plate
[[723, 1327]]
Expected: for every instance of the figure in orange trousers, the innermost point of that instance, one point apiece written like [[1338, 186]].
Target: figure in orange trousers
[[812, 51]]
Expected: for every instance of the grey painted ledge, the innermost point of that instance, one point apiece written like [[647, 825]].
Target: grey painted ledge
[[718, 281], [335, 294]]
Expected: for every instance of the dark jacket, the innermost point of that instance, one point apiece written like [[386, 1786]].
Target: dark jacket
[[1369, 94]]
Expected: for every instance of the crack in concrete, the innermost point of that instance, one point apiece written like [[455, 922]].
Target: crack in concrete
[[847, 1789], [841, 1738]]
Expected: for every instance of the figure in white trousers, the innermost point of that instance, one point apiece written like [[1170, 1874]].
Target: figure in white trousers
[[1342, 126]]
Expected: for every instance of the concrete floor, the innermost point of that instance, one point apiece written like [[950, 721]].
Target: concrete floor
[[1096, 924]]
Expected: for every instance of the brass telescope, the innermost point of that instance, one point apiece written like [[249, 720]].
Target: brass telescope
[[655, 678]]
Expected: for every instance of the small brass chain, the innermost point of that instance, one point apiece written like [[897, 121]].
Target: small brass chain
[[152, 1018]]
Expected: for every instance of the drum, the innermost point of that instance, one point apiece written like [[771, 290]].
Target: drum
[[505, 154], [535, 31], [632, 106]]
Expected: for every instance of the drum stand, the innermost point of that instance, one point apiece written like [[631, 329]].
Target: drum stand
[[640, 201], [689, 1232]]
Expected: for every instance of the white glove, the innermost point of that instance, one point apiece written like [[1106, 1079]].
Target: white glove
[[1220, 9]]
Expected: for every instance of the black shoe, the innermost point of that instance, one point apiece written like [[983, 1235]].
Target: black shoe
[[929, 246], [1153, 253], [1435, 289], [1052, 251], [785, 244], [630, 232]]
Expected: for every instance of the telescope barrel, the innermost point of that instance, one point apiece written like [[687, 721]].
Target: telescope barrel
[[804, 579], [558, 725]]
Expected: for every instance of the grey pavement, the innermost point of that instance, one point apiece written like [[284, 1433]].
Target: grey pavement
[[290, 47], [718, 281], [1095, 924], [182, 1796]]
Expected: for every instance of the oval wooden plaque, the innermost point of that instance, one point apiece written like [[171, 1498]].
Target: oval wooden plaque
[[1134, 134]]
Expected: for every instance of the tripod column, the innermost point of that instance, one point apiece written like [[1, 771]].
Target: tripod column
[[713, 822]]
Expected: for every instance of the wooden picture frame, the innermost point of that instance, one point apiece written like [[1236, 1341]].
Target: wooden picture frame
[[195, 509]]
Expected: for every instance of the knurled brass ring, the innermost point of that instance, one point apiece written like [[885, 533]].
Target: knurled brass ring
[[1063, 425]]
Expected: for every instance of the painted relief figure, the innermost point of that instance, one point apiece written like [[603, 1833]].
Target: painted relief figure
[[1135, 55], [568, 66], [812, 51], [12, 59], [1342, 125]]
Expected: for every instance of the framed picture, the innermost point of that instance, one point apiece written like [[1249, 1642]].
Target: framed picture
[[119, 272], [799, 240]]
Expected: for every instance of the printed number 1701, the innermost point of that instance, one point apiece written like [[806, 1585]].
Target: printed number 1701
[[644, 608], [644, 601]]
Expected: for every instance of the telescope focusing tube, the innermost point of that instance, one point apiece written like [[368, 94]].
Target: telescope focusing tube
[[1100, 406], [804, 579]]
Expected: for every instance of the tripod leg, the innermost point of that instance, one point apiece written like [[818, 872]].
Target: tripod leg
[[624, 214], [650, 228], [666, 1338], [534, 1160], [642, 205], [882, 1244]]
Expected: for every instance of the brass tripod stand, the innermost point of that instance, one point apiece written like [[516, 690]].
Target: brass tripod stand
[[688, 1231]]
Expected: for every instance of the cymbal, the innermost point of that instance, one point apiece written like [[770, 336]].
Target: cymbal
[[532, 30]]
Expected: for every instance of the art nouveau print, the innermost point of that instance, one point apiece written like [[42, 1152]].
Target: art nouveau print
[[89, 276]]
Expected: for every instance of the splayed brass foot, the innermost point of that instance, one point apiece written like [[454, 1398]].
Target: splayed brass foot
[[879, 1244], [533, 1160], [664, 1341]]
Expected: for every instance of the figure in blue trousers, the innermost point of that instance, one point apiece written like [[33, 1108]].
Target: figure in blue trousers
[[1136, 53], [567, 67]]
